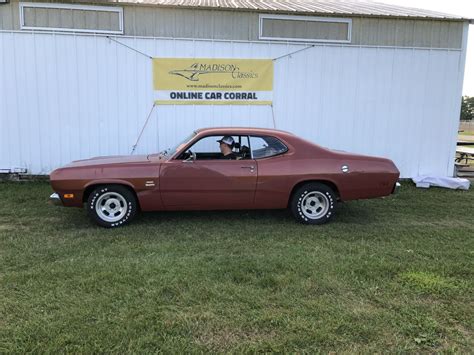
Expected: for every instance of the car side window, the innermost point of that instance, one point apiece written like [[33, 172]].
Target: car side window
[[208, 148], [207, 145], [266, 146]]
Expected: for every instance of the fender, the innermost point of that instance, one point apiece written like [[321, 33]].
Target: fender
[[322, 179], [104, 181], [109, 181], [148, 198]]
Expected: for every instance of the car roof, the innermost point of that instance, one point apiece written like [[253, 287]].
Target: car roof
[[242, 130]]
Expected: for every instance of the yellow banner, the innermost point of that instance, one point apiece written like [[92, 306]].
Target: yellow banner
[[213, 81]]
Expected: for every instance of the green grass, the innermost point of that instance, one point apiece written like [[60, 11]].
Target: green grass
[[392, 274]]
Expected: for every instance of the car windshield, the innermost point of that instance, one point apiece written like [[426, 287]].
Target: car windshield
[[171, 151]]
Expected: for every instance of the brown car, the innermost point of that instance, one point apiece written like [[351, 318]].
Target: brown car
[[224, 168]]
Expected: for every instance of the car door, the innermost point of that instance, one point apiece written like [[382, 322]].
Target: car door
[[208, 183], [274, 170]]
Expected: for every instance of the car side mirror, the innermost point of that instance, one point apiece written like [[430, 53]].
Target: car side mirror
[[191, 158]]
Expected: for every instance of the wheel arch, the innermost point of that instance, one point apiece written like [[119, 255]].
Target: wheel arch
[[328, 183], [93, 185]]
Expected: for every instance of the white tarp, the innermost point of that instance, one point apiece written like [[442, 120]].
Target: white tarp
[[425, 181]]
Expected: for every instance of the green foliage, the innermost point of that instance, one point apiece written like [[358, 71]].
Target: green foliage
[[467, 108], [386, 275]]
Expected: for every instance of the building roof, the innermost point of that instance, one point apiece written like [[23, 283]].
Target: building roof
[[314, 7]]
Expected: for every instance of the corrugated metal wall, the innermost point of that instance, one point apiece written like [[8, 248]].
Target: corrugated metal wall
[[66, 97], [243, 26]]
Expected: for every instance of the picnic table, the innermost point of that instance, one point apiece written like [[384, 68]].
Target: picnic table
[[465, 153]]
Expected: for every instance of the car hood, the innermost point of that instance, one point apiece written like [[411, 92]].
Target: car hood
[[109, 160]]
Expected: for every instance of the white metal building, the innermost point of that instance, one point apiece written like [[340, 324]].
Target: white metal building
[[373, 78]]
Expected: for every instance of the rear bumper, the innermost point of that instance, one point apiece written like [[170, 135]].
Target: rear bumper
[[54, 199], [396, 188]]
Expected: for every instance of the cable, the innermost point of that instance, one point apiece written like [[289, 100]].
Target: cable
[[299, 50], [143, 128], [273, 116], [150, 57], [133, 49]]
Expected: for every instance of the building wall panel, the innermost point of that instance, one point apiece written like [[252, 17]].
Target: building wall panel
[[455, 39], [405, 32], [153, 21], [203, 25], [422, 34], [4, 122], [9, 16], [76, 96]]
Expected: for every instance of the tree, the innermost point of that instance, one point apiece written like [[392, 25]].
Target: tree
[[467, 108]]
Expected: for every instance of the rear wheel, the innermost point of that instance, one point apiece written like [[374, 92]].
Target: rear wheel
[[111, 206], [313, 203]]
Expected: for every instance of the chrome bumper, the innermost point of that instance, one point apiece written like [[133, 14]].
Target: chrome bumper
[[54, 199], [396, 188]]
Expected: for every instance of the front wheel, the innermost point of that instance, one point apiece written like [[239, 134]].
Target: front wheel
[[313, 203], [111, 206]]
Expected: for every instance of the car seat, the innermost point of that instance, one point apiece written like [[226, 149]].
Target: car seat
[[244, 152]]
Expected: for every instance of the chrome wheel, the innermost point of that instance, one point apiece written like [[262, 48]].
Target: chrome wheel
[[314, 205], [111, 207]]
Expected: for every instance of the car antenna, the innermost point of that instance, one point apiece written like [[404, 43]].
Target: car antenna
[[143, 128]]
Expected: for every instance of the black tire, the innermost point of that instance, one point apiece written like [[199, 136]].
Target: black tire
[[313, 203], [119, 206]]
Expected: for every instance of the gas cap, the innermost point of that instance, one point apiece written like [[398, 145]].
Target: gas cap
[[345, 169]]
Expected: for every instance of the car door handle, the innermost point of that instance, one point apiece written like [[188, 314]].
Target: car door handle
[[251, 167]]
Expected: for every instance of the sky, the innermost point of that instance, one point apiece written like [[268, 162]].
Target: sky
[[464, 8]]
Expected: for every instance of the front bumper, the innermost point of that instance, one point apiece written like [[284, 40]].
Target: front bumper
[[396, 188], [54, 199]]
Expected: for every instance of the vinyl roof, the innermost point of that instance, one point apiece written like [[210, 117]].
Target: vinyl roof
[[315, 7], [243, 130]]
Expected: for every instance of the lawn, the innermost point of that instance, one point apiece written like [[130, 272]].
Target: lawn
[[392, 274]]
